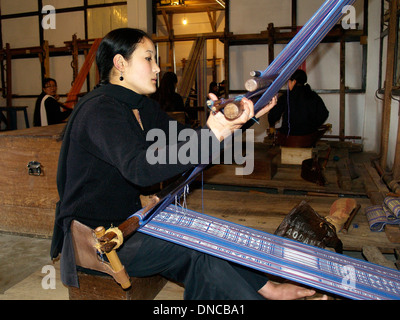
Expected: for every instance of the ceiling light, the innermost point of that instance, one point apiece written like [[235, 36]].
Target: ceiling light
[[221, 3]]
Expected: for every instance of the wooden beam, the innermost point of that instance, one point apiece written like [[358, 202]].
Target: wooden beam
[[386, 112], [374, 255], [45, 56], [342, 99], [8, 76], [80, 79], [213, 21], [271, 43], [189, 72], [226, 48], [396, 164]]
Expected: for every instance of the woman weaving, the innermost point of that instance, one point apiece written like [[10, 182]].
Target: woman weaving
[[106, 167]]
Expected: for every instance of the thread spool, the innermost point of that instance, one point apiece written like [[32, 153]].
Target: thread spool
[[255, 74], [255, 84], [233, 110]]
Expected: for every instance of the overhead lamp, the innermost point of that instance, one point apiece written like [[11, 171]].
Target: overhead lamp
[[184, 21], [221, 3]]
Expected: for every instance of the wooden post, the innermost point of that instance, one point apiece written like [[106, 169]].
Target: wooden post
[[81, 77], [392, 39], [342, 88], [226, 48], [9, 85], [271, 42], [169, 22], [8, 76], [213, 22], [202, 89], [46, 59], [75, 54], [396, 164]]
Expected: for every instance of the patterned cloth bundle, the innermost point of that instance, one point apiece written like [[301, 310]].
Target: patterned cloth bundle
[[387, 213]]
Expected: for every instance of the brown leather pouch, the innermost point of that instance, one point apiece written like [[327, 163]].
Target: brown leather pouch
[[312, 171], [305, 225], [86, 255]]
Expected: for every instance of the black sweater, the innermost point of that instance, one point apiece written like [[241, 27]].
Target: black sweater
[[103, 164], [306, 109], [53, 111]]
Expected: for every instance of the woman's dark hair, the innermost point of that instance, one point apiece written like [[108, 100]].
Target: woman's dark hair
[[47, 80], [301, 81], [213, 84], [121, 41], [300, 76]]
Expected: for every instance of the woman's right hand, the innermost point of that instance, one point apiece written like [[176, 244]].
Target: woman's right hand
[[223, 127]]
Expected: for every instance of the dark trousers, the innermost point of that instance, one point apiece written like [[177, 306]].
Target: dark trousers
[[204, 277]]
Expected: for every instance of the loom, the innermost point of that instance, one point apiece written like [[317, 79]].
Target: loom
[[304, 264]]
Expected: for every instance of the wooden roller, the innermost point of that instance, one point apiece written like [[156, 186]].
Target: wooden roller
[[232, 109]]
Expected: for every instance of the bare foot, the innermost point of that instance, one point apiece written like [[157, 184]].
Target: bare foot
[[286, 291]]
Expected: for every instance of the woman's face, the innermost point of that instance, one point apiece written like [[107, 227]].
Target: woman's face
[[50, 88], [140, 71]]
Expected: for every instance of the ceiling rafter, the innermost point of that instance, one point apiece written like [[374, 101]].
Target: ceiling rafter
[[192, 6]]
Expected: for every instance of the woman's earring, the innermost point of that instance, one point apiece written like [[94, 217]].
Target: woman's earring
[[121, 78]]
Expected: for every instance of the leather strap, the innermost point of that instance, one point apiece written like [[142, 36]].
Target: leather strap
[[86, 254]]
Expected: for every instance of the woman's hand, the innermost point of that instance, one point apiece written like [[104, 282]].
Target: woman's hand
[[223, 127], [268, 107]]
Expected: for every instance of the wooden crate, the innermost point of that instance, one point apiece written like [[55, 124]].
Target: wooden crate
[[295, 155], [27, 202]]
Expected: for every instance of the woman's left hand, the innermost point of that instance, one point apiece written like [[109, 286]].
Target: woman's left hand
[[268, 107]]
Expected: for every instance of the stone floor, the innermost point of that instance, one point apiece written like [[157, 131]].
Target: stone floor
[[22, 261], [26, 272]]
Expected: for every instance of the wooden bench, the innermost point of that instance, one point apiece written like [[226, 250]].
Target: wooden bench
[[104, 280], [99, 287]]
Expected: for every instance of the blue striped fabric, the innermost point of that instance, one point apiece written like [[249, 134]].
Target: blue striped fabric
[[292, 260], [393, 204], [379, 216]]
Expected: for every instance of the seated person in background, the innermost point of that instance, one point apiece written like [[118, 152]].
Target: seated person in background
[[214, 88], [221, 89], [166, 94], [47, 108], [301, 109]]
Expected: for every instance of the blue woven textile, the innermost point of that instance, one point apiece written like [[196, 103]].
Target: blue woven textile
[[304, 264], [379, 216]]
